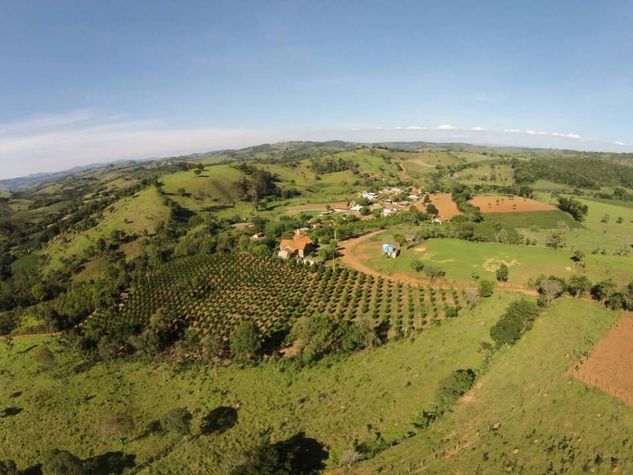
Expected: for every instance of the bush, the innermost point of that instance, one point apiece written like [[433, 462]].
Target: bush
[[516, 320], [177, 420], [245, 340], [8, 323], [502, 273], [453, 387], [486, 288]]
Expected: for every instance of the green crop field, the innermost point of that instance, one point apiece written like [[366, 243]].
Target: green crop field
[[462, 259], [374, 391], [527, 415]]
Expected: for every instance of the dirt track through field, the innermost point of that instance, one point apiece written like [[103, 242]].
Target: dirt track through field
[[609, 367], [353, 257]]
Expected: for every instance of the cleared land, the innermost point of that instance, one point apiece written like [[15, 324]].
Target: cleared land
[[508, 204], [610, 365], [535, 219], [444, 204], [461, 260]]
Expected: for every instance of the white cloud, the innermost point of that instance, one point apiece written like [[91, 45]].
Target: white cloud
[[445, 127], [621, 144], [512, 131], [51, 143], [415, 127], [478, 129]]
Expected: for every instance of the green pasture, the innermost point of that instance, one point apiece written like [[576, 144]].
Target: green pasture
[[133, 215], [462, 260], [526, 414], [535, 219], [335, 401]]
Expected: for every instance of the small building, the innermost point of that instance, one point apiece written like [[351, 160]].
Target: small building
[[389, 250], [369, 196], [389, 211], [257, 237], [340, 207], [297, 247]]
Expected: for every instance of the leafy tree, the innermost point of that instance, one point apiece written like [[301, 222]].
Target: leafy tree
[[8, 467], [602, 290], [502, 273], [574, 207], [314, 336], [432, 210], [245, 340], [578, 285], [515, 321]]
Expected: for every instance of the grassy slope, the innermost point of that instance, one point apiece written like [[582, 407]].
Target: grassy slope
[[133, 215], [547, 419], [540, 219], [594, 234], [334, 401]]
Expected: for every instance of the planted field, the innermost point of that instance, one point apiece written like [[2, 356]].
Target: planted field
[[214, 294], [610, 364], [508, 204]]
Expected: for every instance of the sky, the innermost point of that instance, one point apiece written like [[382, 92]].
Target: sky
[[99, 80]]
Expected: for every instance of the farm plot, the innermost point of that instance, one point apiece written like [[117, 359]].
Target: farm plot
[[610, 365], [212, 295], [444, 204], [508, 204]]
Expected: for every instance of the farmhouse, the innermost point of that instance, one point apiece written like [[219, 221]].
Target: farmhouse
[[389, 250], [298, 247]]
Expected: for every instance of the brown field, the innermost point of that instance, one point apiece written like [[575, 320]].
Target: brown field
[[508, 204], [610, 365], [444, 204]]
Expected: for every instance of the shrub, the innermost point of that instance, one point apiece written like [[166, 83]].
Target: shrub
[[8, 467], [486, 288], [177, 420], [453, 387]]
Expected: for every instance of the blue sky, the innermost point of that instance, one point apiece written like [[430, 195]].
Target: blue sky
[[87, 81]]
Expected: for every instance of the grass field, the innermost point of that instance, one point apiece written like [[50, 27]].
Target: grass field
[[335, 402], [535, 219], [461, 259], [133, 215], [26, 262], [527, 415], [498, 174], [595, 234]]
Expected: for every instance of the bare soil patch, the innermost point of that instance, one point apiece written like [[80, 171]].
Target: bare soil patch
[[444, 204], [509, 204], [609, 367]]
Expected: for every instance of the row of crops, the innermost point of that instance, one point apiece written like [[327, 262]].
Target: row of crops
[[212, 294]]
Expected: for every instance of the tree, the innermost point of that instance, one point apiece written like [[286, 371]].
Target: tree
[[432, 210], [578, 285], [502, 273], [486, 288], [314, 336], [433, 272], [514, 322], [602, 290], [245, 340], [550, 289], [573, 207]]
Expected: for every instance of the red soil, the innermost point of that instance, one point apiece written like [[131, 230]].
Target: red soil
[[610, 365], [508, 204]]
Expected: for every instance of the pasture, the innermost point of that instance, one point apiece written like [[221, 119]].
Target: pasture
[[378, 391], [527, 412], [554, 219], [463, 260]]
